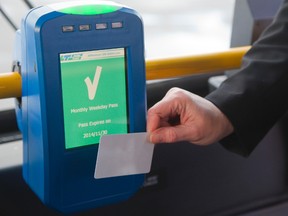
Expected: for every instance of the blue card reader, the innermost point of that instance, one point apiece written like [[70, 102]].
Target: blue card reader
[[83, 76]]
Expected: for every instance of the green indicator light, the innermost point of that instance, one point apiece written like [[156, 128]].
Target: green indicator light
[[90, 9]]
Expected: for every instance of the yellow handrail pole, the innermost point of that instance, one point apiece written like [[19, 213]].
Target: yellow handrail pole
[[183, 66], [10, 85]]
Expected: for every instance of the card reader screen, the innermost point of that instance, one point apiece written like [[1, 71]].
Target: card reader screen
[[94, 95]]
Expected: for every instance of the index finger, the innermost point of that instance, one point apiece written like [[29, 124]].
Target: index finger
[[158, 115]]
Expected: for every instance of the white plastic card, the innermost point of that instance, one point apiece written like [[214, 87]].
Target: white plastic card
[[123, 154]]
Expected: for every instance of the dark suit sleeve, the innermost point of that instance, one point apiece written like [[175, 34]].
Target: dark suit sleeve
[[256, 97]]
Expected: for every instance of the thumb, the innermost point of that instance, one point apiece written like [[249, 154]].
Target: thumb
[[168, 134]]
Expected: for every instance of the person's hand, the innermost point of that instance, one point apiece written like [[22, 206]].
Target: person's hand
[[184, 116]]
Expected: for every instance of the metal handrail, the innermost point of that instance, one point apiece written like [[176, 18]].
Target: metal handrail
[[195, 64], [10, 83]]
